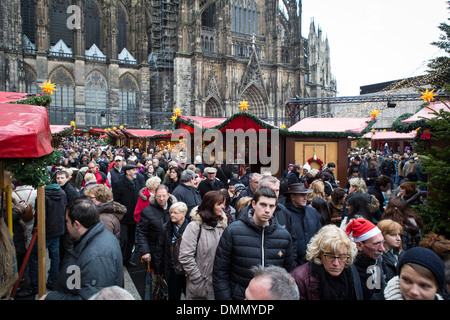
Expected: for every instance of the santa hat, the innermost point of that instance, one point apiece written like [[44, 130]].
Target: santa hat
[[361, 230]]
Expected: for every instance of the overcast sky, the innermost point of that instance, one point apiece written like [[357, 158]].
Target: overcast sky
[[376, 41]]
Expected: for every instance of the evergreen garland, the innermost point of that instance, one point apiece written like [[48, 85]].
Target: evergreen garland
[[32, 171], [283, 132], [37, 100]]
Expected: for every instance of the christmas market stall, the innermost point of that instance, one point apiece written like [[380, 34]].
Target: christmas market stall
[[59, 131], [25, 153], [240, 141], [318, 141], [147, 139], [396, 141]]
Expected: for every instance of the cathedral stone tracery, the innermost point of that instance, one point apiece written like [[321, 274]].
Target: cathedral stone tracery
[[131, 62]]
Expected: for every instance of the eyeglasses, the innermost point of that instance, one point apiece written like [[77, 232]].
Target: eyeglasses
[[332, 257]]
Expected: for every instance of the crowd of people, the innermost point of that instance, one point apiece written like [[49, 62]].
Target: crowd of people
[[208, 233]]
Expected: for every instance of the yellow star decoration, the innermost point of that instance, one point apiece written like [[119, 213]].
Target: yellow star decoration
[[428, 95], [174, 118], [121, 127], [114, 128], [244, 105], [283, 126], [373, 130], [374, 113], [72, 123], [384, 130], [48, 87], [177, 112]]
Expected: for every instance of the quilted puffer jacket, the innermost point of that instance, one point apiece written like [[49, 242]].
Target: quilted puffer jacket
[[243, 245]]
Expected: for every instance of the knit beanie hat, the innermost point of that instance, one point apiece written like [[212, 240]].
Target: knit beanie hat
[[361, 230], [427, 259]]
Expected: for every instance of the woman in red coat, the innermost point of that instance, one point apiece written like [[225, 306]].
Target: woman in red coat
[[144, 196]]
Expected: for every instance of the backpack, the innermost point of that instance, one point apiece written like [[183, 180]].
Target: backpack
[[176, 252], [29, 212]]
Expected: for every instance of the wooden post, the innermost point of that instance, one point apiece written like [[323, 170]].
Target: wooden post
[[9, 218], [40, 215]]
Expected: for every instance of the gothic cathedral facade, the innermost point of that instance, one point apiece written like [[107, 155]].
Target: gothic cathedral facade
[[132, 62]]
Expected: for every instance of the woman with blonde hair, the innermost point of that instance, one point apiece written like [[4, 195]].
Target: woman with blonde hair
[[329, 273], [392, 232], [144, 196], [318, 188]]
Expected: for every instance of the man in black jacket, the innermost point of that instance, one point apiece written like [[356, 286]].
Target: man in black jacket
[[64, 183], [210, 183], [126, 192], [55, 210], [254, 239], [186, 192]]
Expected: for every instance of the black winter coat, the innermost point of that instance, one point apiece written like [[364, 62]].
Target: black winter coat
[[243, 245], [150, 227], [189, 195], [55, 211], [306, 223], [126, 192], [284, 219], [205, 186], [163, 257]]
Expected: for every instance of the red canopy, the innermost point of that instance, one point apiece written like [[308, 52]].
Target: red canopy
[[24, 130]]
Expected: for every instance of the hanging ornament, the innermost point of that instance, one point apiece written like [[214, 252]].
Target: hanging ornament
[[243, 106], [177, 112], [374, 113], [283, 126], [48, 87], [428, 96]]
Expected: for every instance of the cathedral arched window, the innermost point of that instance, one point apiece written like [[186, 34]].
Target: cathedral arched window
[[28, 19], [92, 23], [245, 17], [122, 27], [96, 100], [62, 109], [58, 22], [128, 101], [209, 16]]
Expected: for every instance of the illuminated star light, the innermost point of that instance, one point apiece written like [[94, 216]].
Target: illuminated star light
[[428, 95], [374, 113], [174, 118], [244, 105], [48, 87], [177, 112]]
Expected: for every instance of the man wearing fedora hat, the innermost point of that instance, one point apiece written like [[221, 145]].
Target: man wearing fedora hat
[[126, 192], [305, 219]]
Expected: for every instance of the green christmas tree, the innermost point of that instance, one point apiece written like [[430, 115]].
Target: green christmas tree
[[440, 67], [435, 154]]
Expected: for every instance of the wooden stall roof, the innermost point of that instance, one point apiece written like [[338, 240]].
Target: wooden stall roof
[[390, 135], [344, 125]]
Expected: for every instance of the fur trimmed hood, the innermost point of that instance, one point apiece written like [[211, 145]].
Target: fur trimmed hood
[[113, 207], [198, 219]]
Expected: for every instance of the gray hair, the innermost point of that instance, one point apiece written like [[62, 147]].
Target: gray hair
[[187, 175], [112, 293], [267, 179], [283, 285], [254, 175]]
